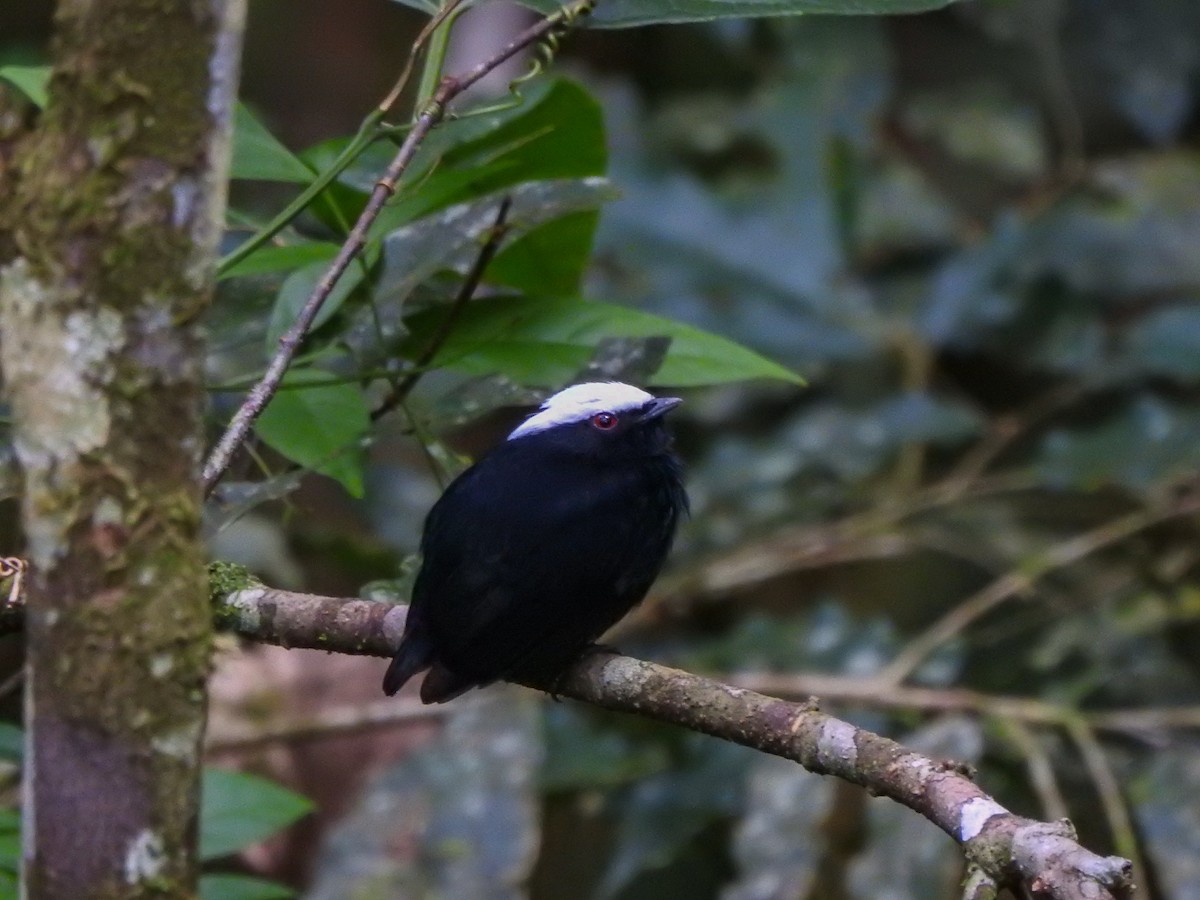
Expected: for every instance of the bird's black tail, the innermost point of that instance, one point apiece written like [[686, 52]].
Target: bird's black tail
[[414, 655]]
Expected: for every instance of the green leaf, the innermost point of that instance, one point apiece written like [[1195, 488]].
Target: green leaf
[[557, 132], [444, 187], [627, 13], [550, 259], [272, 258], [543, 341], [582, 754], [1167, 342], [450, 241], [242, 887], [317, 422], [12, 742], [10, 844], [237, 810], [1147, 442], [298, 287], [31, 81], [664, 812], [258, 156], [1163, 788]]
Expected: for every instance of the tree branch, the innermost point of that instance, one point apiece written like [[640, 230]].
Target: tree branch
[[1042, 857], [1005, 847]]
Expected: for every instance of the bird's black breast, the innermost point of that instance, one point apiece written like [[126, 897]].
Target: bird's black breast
[[533, 553]]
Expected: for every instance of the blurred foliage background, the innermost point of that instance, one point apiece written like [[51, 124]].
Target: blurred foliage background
[[974, 232]]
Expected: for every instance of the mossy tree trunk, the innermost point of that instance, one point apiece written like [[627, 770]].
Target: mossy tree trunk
[[115, 195]]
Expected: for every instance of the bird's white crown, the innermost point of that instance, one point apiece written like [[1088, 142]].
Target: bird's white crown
[[580, 402]]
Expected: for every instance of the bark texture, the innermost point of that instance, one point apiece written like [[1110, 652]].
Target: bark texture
[[116, 203]]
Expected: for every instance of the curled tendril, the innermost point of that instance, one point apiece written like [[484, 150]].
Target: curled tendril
[[544, 52]]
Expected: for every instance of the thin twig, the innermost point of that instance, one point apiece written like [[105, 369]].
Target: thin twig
[[1142, 721], [1038, 767], [431, 115], [1003, 433], [446, 12], [860, 535], [1021, 579], [869, 693], [466, 291], [1109, 789]]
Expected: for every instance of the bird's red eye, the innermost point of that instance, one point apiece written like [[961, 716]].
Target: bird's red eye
[[605, 421]]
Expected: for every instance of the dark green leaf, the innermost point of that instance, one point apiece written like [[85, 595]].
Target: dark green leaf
[[1163, 790], [444, 187], [556, 132], [298, 287], [242, 887], [627, 13], [450, 240], [258, 156], [237, 810], [544, 341], [663, 812], [31, 81], [1168, 343], [1134, 232], [10, 843], [274, 258], [12, 742], [582, 754], [1141, 445], [549, 260], [917, 418], [317, 422]]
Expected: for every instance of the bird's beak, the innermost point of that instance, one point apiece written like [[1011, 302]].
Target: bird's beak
[[659, 407]]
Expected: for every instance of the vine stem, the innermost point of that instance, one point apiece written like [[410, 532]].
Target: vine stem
[[432, 113]]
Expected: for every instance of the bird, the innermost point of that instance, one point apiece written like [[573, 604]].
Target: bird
[[543, 544]]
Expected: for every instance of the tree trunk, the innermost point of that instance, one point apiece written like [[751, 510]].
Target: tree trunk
[[118, 198]]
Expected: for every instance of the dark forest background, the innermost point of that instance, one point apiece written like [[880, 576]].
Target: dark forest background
[[975, 233]]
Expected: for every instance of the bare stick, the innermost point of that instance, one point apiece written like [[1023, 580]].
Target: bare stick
[[431, 115]]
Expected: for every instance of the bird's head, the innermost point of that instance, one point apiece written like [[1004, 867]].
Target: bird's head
[[607, 418]]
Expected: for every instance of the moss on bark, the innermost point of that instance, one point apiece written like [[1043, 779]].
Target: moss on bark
[[116, 200]]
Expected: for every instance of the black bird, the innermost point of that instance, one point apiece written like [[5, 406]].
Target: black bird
[[533, 552]]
